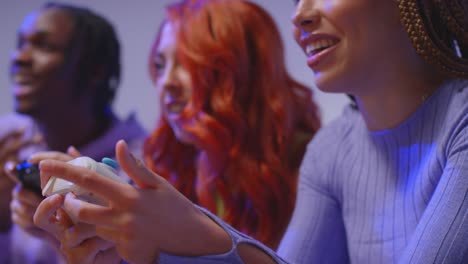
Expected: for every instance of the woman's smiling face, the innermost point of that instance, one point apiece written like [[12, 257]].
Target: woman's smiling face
[[347, 42], [172, 79]]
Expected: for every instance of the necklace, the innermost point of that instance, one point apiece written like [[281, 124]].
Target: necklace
[[424, 97], [427, 94]]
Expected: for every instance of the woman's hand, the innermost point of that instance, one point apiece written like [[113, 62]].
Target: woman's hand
[[78, 243], [140, 221]]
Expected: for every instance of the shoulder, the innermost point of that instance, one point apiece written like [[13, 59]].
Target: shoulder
[[453, 105], [457, 114], [446, 116], [133, 132], [455, 98], [128, 129]]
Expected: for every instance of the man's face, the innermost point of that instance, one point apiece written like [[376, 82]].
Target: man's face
[[40, 71]]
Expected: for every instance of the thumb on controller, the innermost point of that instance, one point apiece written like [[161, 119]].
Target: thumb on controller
[[9, 170], [135, 169]]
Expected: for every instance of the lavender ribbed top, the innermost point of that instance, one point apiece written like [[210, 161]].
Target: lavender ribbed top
[[392, 196]]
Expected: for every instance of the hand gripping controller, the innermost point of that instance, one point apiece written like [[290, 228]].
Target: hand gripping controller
[[60, 186]]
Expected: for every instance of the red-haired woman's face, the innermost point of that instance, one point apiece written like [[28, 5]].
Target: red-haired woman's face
[[349, 42], [173, 80]]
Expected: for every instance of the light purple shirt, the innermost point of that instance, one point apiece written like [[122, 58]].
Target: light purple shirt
[[393, 196]]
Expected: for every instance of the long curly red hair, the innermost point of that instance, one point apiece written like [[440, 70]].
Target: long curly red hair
[[250, 119]]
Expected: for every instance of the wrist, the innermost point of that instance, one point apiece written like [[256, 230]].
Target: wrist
[[213, 236], [200, 235]]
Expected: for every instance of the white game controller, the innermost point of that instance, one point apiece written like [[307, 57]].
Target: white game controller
[[108, 167]]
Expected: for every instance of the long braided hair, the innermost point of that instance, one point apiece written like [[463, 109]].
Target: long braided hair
[[438, 30], [96, 49]]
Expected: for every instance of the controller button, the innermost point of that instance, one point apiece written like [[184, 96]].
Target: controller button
[[110, 162]]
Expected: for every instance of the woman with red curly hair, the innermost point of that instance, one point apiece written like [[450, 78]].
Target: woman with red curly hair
[[234, 123]]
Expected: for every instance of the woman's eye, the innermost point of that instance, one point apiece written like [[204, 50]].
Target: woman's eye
[[45, 46], [158, 66]]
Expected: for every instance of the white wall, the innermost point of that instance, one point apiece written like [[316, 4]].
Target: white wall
[[136, 23]]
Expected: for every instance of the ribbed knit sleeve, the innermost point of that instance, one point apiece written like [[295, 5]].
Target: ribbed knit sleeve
[[441, 235]]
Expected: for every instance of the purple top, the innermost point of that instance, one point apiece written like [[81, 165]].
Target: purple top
[[393, 196]]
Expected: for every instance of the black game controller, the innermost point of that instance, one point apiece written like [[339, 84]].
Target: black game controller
[[28, 174]]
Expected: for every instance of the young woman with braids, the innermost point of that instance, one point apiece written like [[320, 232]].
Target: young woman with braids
[[384, 183]]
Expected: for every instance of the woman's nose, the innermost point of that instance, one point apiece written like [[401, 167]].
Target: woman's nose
[[306, 17], [170, 83]]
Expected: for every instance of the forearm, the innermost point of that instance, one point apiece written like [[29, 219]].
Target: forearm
[[243, 250]]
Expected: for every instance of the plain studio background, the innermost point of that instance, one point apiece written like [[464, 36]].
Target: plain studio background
[[136, 23]]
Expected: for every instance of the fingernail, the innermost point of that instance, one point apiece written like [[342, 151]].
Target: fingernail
[[31, 158], [70, 195], [44, 165], [71, 149], [10, 166], [38, 138], [122, 142], [21, 129]]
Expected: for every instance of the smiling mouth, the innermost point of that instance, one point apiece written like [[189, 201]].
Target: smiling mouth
[[22, 80], [175, 107], [319, 46], [22, 86]]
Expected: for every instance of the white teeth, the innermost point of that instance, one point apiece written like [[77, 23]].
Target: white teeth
[[175, 107], [312, 48], [21, 80]]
